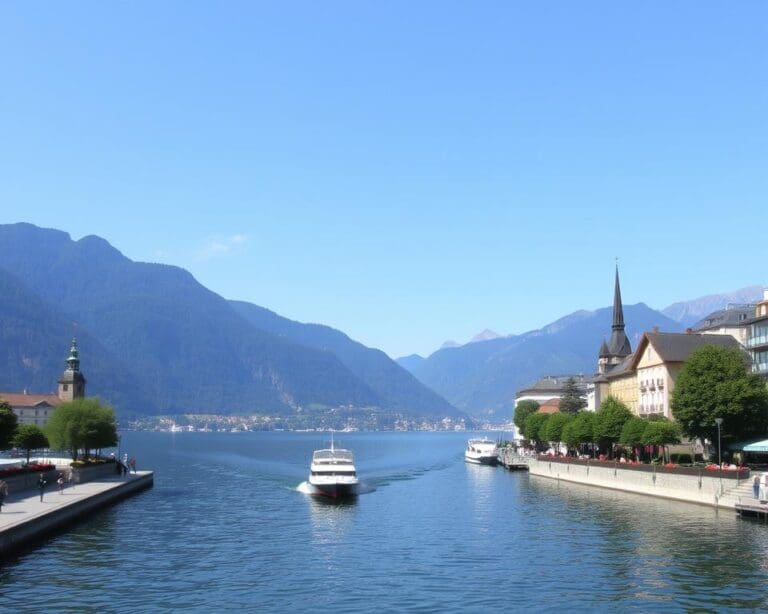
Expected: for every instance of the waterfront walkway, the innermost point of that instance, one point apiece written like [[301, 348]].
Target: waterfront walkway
[[25, 517]]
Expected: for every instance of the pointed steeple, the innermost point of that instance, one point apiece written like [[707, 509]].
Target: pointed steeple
[[619, 346], [618, 310], [604, 353]]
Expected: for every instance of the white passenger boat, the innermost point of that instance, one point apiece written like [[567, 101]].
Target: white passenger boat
[[482, 452], [332, 473]]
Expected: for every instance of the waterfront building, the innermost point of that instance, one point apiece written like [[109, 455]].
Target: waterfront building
[[548, 391], [656, 364], [733, 320], [757, 343], [644, 379], [32, 408]]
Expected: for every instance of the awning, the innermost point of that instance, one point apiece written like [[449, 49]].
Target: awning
[[757, 446]]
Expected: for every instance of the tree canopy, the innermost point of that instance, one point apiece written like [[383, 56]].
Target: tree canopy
[[573, 398], [632, 432], [552, 429], [8, 423], [610, 420], [524, 409], [714, 383], [533, 426], [30, 437], [82, 424]]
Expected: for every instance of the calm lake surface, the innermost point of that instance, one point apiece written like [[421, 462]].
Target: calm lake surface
[[225, 529]]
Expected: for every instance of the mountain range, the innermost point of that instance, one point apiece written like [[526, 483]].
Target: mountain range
[[482, 378], [155, 341]]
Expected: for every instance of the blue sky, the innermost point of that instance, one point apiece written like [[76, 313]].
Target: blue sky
[[407, 172]]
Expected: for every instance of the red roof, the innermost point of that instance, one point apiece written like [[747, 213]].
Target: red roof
[[20, 399], [550, 407]]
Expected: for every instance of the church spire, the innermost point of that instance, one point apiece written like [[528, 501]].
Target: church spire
[[619, 346], [618, 310]]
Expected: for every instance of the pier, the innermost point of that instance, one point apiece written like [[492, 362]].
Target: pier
[[513, 460], [25, 519]]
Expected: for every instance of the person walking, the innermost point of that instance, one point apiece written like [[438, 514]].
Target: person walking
[[3, 493], [756, 486], [60, 482], [41, 485], [132, 464]]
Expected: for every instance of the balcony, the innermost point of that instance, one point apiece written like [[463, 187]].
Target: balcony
[[757, 341]]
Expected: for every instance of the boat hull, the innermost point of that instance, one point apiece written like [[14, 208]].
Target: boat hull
[[482, 460], [334, 490]]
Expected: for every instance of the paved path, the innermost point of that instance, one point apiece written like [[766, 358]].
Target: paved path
[[25, 506]]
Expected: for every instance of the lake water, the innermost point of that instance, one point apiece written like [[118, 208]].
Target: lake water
[[226, 529]]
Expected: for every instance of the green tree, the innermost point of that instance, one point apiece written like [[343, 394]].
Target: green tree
[[30, 437], [610, 420], [533, 426], [632, 433], [579, 431], [552, 430], [8, 423], [524, 409], [82, 424], [661, 433], [573, 398], [715, 383]]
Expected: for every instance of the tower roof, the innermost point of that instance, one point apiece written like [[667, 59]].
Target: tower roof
[[619, 345]]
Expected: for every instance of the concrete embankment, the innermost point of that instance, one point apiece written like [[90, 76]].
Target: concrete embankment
[[692, 485], [25, 519]]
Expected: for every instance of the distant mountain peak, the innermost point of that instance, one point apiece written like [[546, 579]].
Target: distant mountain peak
[[450, 344], [485, 335], [689, 312]]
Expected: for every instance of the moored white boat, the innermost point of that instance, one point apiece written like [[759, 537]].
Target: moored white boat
[[481, 451], [332, 473]]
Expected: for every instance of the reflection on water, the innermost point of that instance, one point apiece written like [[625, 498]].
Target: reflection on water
[[224, 529]]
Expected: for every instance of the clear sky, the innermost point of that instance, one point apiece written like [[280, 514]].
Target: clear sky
[[407, 172]]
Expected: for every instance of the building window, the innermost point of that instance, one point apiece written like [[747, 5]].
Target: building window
[[66, 387]]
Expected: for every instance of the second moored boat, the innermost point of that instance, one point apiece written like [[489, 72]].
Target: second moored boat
[[481, 452]]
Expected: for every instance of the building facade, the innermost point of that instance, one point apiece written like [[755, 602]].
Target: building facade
[[757, 343]]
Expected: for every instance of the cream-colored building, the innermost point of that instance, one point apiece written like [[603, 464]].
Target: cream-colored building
[[657, 361], [37, 408]]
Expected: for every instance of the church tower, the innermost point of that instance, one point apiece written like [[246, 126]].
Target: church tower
[[618, 347], [72, 381]]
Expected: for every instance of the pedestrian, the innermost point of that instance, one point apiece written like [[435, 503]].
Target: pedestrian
[[756, 486], [41, 485], [132, 464], [60, 482], [763, 492], [3, 493], [71, 477]]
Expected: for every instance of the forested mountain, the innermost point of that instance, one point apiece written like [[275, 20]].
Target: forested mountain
[[393, 385], [482, 378], [170, 344]]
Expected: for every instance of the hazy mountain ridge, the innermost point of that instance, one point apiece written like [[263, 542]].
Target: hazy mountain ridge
[[482, 378], [690, 312], [182, 347]]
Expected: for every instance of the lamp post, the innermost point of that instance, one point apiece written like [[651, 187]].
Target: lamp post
[[718, 421]]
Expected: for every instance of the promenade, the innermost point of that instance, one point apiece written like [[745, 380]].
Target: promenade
[[25, 518]]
